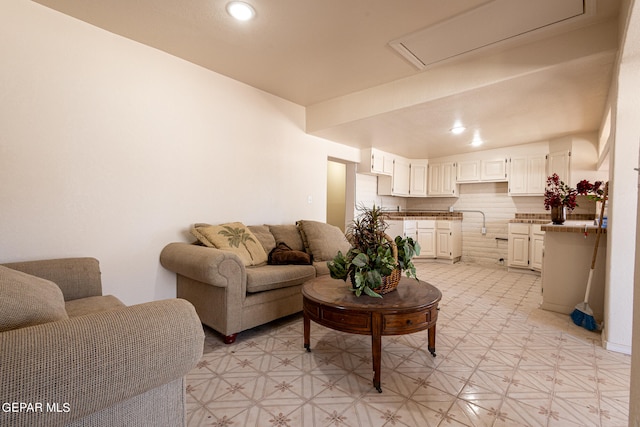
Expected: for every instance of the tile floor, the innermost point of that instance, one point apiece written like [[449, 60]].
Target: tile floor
[[500, 361]]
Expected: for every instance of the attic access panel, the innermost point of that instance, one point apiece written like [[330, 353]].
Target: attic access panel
[[491, 23]]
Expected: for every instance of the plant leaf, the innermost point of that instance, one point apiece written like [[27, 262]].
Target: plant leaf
[[371, 293]]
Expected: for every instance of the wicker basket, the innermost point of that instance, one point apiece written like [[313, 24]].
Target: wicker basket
[[390, 282]]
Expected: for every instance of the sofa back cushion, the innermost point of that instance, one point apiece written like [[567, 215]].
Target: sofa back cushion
[[234, 237], [264, 236], [289, 235], [323, 240], [27, 300]]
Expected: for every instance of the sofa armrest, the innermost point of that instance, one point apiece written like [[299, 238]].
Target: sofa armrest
[[88, 363], [76, 277], [208, 265]]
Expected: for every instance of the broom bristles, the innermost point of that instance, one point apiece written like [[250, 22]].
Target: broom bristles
[[583, 319]]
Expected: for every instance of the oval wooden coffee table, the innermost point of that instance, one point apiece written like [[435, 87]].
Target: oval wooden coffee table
[[412, 307]]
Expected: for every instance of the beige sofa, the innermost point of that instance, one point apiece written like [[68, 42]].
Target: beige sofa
[[70, 356], [233, 291]]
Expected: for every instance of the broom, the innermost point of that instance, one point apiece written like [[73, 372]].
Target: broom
[[583, 315]]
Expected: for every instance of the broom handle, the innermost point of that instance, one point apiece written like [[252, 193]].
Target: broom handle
[[599, 230]]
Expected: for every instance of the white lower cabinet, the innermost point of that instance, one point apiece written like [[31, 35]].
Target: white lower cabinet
[[525, 246], [437, 239], [449, 240], [426, 235]]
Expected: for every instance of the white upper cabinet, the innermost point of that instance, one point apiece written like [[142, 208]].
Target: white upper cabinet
[[527, 175], [481, 170], [401, 177], [468, 171], [418, 178], [493, 170], [560, 162], [377, 162], [442, 180], [397, 184]]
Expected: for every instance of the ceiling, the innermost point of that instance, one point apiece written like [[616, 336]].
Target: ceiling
[[347, 63]]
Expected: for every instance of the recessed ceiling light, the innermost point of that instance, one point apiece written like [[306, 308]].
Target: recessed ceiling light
[[457, 128], [241, 10], [477, 141]]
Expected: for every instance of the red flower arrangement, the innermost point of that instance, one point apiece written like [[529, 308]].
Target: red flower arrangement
[[596, 189], [559, 194]]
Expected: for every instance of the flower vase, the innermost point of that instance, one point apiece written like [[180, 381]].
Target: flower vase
[[558, 215]]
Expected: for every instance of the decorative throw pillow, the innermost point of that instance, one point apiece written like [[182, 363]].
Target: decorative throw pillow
[[234, 237], [283, 254], [195, 232], [27, 300], [324, 240]]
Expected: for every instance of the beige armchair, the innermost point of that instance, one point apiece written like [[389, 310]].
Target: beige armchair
[[99, 364]]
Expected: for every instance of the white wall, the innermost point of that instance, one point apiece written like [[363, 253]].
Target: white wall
[[112, 149], [622, 256]]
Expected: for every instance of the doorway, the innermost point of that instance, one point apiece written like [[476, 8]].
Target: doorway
[[340, 193]]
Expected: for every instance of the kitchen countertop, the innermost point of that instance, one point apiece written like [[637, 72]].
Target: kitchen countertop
[[573, 226], [576, 223], [438, 215]]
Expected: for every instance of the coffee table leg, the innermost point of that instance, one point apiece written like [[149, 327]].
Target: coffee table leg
[[307, 331], [376, 348], [432, 340]]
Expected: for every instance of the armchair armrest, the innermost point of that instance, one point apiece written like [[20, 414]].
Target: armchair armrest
[[76, 277], [208, 265], [88, 363]]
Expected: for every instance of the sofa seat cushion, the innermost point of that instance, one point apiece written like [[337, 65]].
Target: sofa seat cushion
[[79, 307], [27, 300], [268, 277]]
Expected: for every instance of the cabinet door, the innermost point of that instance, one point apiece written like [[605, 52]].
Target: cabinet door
[[518, 245], [493, 170], [448, 179], [427, 241], [400, 177], [527, 175], [434, 184], [377, 161], [536, 247], [443, 244], [468, 171], [559, 162], [410, 229], [395, 228], [418, 178], [387, 167], [537, 178], [518, 175]]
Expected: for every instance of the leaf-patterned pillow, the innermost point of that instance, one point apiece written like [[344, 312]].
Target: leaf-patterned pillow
[[234, 237]]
